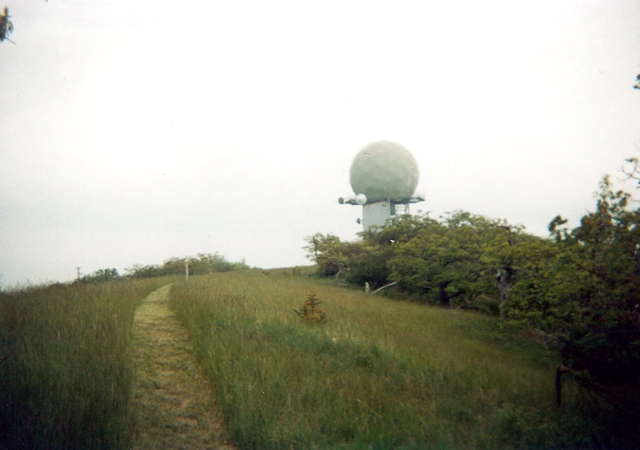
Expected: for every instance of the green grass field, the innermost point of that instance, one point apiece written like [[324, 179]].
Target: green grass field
[[65, 364], [380, 374]]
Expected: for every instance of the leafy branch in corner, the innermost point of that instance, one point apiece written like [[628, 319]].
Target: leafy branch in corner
[[6, 26]]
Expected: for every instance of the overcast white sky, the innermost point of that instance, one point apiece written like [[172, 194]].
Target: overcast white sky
[[132, 131]]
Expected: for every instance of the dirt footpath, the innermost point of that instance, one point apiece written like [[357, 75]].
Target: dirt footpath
[[172, 404]]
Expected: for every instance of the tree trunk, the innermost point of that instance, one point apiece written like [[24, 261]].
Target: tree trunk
[[443, 296], [341, 270], [503, 280], [559, 372]]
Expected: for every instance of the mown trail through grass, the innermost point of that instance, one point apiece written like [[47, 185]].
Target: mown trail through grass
[[173, 406]]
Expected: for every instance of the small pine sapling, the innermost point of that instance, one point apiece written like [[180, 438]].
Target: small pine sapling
[[311, 312]]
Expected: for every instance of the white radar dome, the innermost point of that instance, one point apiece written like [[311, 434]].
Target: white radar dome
[[384, 170]]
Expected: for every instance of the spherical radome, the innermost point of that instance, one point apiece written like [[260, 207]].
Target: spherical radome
[[384, 170]]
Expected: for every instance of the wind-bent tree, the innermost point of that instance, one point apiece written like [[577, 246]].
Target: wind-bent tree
[[598, 279], [332, 256], [379, 247], [446, 264]]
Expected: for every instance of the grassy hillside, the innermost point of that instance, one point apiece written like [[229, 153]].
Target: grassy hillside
[[65, 364], [380, 373]]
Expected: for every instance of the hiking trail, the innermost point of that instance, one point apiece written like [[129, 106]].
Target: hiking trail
[[173, 405]]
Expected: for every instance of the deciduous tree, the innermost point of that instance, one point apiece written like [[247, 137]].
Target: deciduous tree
[[444, 261], [600, 332], [332, 256]]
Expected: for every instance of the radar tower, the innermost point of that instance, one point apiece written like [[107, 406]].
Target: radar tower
[[384, 176]]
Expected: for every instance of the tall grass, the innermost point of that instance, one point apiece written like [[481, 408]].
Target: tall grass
[[65, 366], [379, 374]]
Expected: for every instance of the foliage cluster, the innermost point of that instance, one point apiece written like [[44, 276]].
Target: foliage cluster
[[202, 263], [462, 260], [380, 374], [65, 366], [100, 276], [6, 26], [599, 268], [580, 287]]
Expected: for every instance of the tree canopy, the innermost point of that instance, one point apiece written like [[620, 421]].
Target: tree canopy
[[580, 287], [202, 263]]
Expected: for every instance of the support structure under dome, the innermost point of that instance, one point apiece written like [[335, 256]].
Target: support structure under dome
[[376, 214]]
